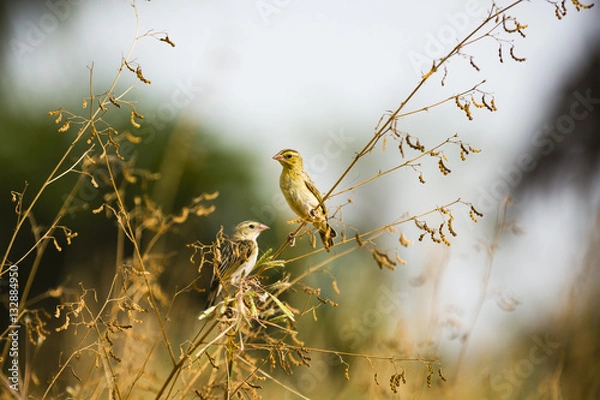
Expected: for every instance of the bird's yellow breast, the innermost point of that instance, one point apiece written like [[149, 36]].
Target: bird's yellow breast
[[296, 193]]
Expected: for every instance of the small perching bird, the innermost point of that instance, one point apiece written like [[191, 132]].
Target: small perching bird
[[238, 258], [302, 194]]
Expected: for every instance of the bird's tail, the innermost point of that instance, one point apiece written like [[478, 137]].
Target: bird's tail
[[327, 234], [215, 289]]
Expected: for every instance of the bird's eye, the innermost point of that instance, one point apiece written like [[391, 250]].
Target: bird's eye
[[252, 226], [288, 156]]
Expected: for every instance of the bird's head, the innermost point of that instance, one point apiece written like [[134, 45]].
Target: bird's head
[[248, 230], [289, 158]]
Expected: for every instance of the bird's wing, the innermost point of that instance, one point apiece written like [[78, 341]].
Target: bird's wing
[[234, 254], [313, 189]]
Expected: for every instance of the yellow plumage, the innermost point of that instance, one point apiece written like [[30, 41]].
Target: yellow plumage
[[302, 195]]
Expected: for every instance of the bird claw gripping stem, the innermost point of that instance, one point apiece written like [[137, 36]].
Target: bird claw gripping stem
[[291, 239]]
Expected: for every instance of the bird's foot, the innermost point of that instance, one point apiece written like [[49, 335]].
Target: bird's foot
[[291, 239]]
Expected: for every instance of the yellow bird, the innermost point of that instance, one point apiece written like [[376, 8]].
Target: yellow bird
[[302, 195], [238, 258]]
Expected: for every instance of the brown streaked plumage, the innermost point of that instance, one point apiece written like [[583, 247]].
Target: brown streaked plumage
[[238, 258]]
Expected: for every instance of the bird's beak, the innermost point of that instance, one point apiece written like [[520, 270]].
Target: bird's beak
[[278, 157], [262, 227]]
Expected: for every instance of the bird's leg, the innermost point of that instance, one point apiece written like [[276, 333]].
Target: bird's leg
[[291, 239]]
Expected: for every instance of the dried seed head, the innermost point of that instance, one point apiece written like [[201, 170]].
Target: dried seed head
[[490, 106], [393, 386], [396, 380], [133, 139], [400, 260], [443, 169], [167, 40], [467, 111], [443, 82], [442, 235], [383, 260], [416, 145], [335, 288], [476, 104], [450, 227], [404, 241], [465, 107], [114, 102], [430, 375], [294, 360], [65, 127], [133, 121], [514, 57], [561, 10], [183, 217], [475, 211], [358, 241], [400, 148], [140, 76], [129, 178], [472, 216], [441, 374]]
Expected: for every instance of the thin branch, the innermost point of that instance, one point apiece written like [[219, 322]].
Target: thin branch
[[485, 279]]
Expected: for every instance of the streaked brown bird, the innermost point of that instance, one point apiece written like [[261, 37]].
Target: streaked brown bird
[[238, 258]]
